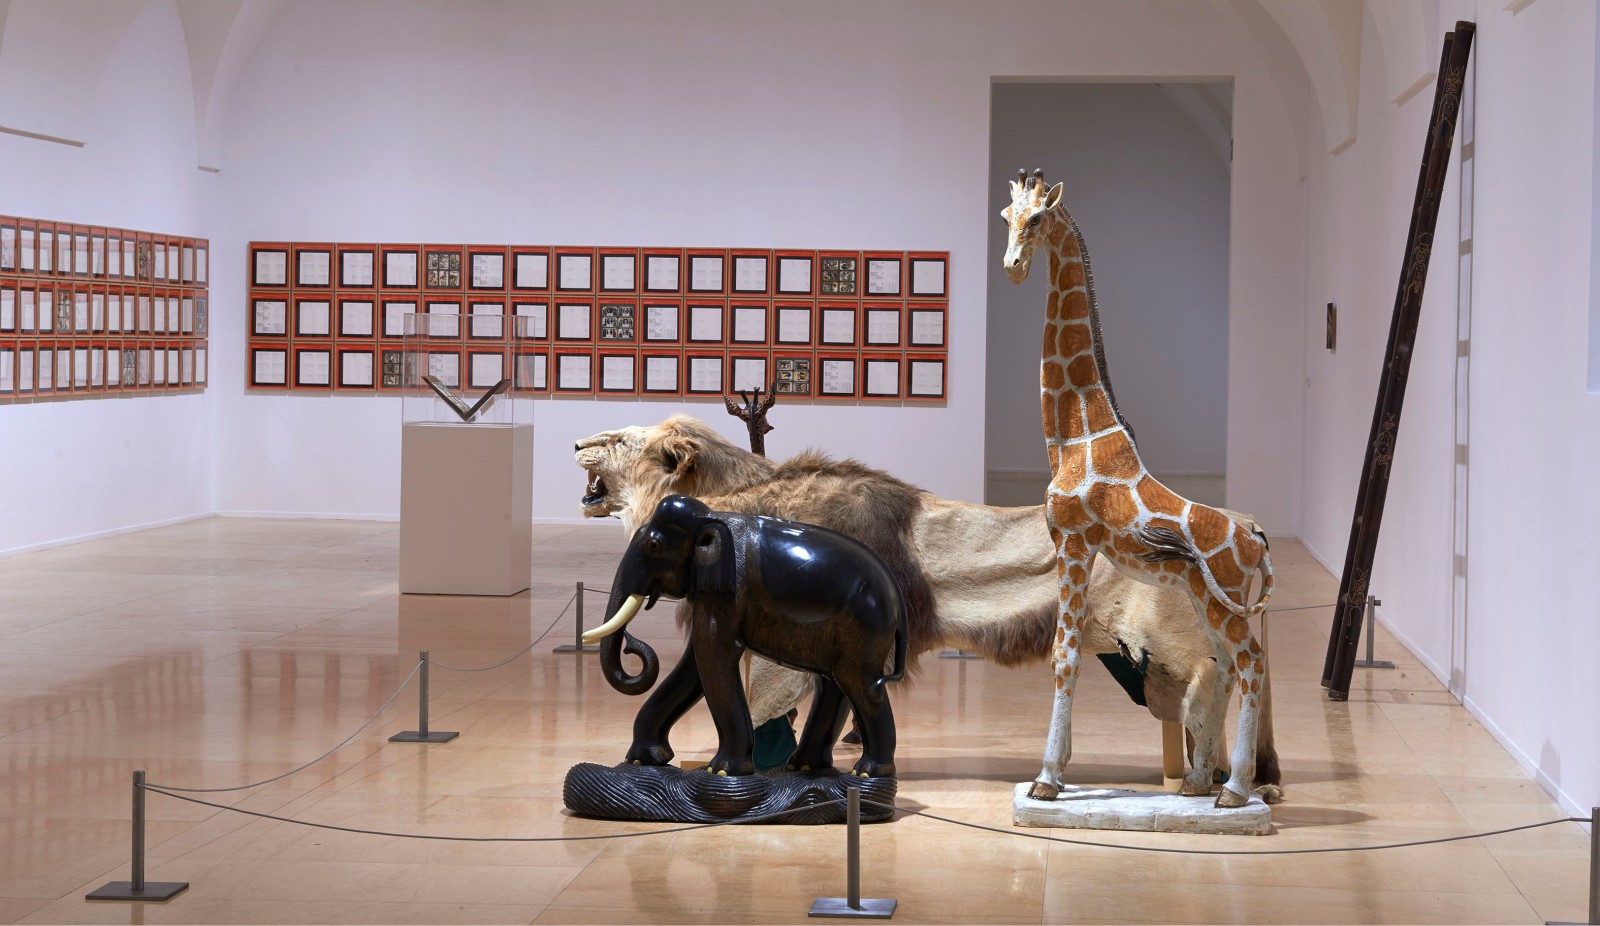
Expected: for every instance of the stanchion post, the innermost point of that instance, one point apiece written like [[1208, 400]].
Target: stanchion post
[[577, 644], [422, 734], [1594, 874], [958, 654], [138, 888], [1371, 629], [853, 905]]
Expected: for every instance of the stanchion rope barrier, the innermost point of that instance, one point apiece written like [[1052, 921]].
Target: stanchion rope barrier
[[519, 653]]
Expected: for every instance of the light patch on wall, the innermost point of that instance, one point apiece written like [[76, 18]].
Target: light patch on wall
[[1594, 236]]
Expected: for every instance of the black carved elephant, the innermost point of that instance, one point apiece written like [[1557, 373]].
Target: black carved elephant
[[802, 595]]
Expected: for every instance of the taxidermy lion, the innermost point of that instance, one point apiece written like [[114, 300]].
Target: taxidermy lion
[[974, 576]]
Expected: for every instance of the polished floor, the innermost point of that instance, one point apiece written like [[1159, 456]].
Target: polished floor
[[226, 651]]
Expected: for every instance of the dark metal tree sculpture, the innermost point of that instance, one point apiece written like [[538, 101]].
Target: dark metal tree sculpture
[[754, 414]]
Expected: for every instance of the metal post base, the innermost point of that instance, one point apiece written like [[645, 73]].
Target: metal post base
[[1373, 664], [958, 654], [575, 648], [870, 908], [432, 736], [124, 890]]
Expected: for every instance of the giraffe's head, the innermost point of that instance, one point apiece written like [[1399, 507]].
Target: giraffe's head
[[1029, 219]]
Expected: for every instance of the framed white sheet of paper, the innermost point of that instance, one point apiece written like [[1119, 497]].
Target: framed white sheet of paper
[[271, 317], [705, 273], [355, 368], [749, 373], [144, 313], [661, 323], [64, 369], [97, 367], [80, 255], [199, 365], [532, 271], [188, 264], [446, 368], [661, 374], [173, 270], [488, 322], [443, 320], [574, 322], [355, 319], [488, 272], [883, 327], [355, 269], [97, 255], [312, 318], [8, 310], [574, 271], [62, 252], [114, 311], [883, 378], [202, 265], [705, 323], [794, 274], [186, 366], [538, 315], [927, 377], [883, 277], [268, 367], [129, 266], [8, 370], [750, 324], [616, 373], [394, 318], [97, 312], [114, 366], [80, 312], [573, 371], [749, 274], [8, 249], [80, 367], [485, 370], [25, 362], [838, 326], [312, 268], [616, 272], [174, 314], [661, 273], [838, 377], [705, 374], [532, 370], [27, 240], [927, 277], [311, 368], [400, 269], [272, 267], [113, 257]]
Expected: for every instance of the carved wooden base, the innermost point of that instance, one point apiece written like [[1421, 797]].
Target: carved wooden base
[[667, 794]]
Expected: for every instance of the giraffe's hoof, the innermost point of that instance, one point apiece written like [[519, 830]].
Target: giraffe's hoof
[[1228, 797], [1040, 791], [1190, 789]]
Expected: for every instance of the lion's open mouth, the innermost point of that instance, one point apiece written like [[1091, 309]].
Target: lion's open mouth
[[596, 492]]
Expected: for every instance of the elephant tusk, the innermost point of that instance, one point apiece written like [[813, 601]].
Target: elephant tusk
[[623, 616]]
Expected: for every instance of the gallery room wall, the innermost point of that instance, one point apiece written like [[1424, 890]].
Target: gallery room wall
[[1527, 567], [705, 123], [76, 469], [1149, 189]]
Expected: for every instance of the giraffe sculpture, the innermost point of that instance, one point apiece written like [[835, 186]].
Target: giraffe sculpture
[[1102, 501]]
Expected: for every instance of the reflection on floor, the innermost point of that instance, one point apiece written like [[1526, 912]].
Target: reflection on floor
[[1011, 487], [226, 651]]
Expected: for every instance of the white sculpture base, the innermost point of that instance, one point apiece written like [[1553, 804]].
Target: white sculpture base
[[1149, 811], [466, 508]]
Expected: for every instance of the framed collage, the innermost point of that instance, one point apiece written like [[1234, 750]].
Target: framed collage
[[599, 321], [88, 311]]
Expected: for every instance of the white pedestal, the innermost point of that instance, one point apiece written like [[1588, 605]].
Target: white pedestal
[[1151, 811], [466, 508]]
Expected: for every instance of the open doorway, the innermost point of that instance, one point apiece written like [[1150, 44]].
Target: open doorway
[[1147, 171]]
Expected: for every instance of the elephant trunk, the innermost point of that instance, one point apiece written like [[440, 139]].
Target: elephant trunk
[[615, 640]]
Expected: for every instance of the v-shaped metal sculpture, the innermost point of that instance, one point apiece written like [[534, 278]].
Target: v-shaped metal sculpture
[[467, 412]]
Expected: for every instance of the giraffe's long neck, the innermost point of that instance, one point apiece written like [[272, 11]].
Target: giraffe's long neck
[[1075, 389]]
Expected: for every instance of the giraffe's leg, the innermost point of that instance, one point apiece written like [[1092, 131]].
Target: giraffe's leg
[[1245, 656], [1072, 563]]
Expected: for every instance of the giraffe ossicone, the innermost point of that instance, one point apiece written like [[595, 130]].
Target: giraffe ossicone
[[1103, 502]]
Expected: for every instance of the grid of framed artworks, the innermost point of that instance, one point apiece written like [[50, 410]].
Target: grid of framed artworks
[[88, 311], [601, 321]]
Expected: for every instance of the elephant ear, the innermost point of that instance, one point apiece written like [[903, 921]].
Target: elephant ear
[[713, 557]]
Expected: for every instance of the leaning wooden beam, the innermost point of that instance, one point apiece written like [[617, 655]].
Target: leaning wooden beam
[[1374, 488]]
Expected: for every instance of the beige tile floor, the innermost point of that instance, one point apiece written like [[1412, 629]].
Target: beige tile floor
[[225, 651]]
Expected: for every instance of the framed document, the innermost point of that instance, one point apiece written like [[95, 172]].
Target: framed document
[[488, 270], [8, 250], [357, 267], [80, 257], [130, 262], [445, 366], [144, 313], [530, 269], [114, 310], [573, 322], [268, 366], [46, 380], [617, 273], [80, 368], [270, 264], [312, 367], [704, 374], [97, 312], [661, 374], [661, 272], [97, 367], [27, 299], [574, 372], [837, 376], [199, 364], [661, 322], [113, 253], [355, 319], [538, 319], [705, 273], [838, 326], [750, 272], [400, 266], [705, 324], [532, 372], [80, 312], [27, 254], [617, 321], [188, 315], [883, 377], [883, 327], [188, 265], [311, 318], [356, 368], [97, 255], [8, 370], [794, 324], [929, 275], [442, 267], [794, 274], [485, 368], [747, 372], [395, 312], [8, 309], [574, 273], [617, 373], [925, 377], [749, 324], [838, 274], [202, 270], [186, 366], [883, 276], [442, 318], [25, 366], [487, 321], [927, 327], [392, 372], [312, 267], [270, 317]]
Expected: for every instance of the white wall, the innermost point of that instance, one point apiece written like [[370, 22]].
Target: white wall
[[1532, 623], [1150, 192], [72, 469], [706, 123]]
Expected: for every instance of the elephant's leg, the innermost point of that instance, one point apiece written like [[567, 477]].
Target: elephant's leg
[[823, 723], [871, 703], [1073, 560], [670, 701], [719, 652]]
